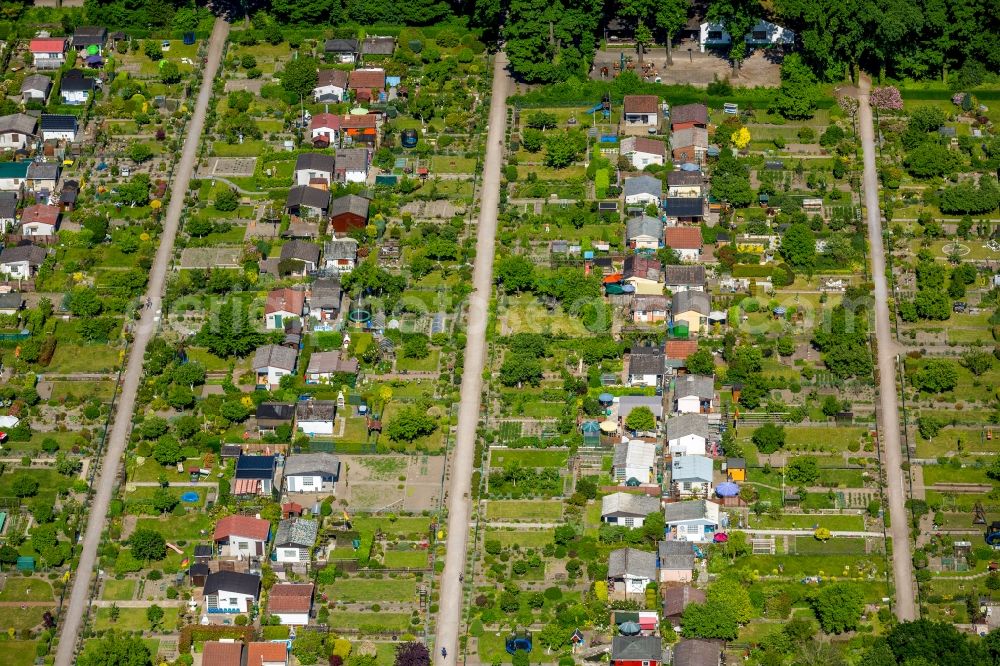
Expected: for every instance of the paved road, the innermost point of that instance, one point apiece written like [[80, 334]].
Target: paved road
[[72, 619], [459, 498], [892, 458]]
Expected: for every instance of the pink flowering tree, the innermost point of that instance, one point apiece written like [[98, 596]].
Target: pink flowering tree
[[886, 98]]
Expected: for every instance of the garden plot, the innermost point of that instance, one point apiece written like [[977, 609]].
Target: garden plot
[[210, 257], [232, 166], [409, 483]]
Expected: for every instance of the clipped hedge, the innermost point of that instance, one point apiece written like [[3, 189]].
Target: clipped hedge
[[193, 632], [751, 271]]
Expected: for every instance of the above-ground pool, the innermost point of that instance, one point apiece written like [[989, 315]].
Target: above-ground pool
[[190, 496]]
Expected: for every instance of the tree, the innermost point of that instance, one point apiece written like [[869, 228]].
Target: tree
[[234, 411], [66, 465], [518, 368], [641, 419], [164, 501], [24, 486], [236, 127], [147, 545], [831, 406], [152, 49], [135, 191], [139, 152], [702, 362], [155, 616], [170, 73], [731, 181], [227, 200], [230, 332], [515, 273], [937, 375], [541, 120], [180, 397], [409, 425], [930, 160], [977, 361], [532, 140], [114, 649], [938, 643], [740, 138], [309, 647], [802, 471], [838, 607], [84, 302], [886, 98], [167, 450], [796, 98], [932, 303], [727, 606], [299, 76], [412, 654], [768, 438], [188, 374], [739, 17], [643, 38], [562, 149], [708, 621], [798, 247], [671, 17]]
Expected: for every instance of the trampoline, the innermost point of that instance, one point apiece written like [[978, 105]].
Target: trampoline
[[360, 316], [190, 496]]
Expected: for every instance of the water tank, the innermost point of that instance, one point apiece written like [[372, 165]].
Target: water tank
[[409, 138]]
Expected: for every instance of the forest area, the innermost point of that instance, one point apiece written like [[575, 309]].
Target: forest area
[[554, 40]]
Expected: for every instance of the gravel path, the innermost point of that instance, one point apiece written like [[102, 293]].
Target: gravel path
[[72, 618]]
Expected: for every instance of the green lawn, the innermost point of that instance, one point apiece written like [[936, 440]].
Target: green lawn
[[83, 390], [950, 440], [528, 458], [177, 528], [26, 589], [428, 364], [18, 653], [836, 522], [543, 410], [66, 440], [841, 478], [406, 527], [948, 474], [49, 483], [452, 164], [119, 590], [245, 149], [356, 620], [805, 438], [70, 358], [209, 360], [406, 559], [525, 314], [539, 511], [150, 470], [19, 619], [133, 619], [522, 538], [352, 590]]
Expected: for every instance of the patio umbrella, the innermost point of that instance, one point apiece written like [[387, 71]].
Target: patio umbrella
[[606, 398], [727, 489], [93, 49], [720, 537], [629, 628], [609, 426]]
